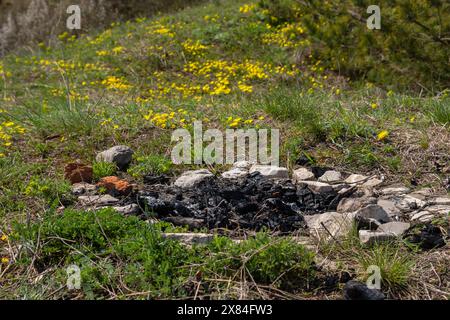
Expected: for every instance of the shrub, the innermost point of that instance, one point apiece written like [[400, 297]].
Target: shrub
[[410, 51]]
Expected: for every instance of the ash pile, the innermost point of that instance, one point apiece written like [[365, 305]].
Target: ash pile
[[249, 201]]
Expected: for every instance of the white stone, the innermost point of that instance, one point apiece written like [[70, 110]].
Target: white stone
[[82, 187], [318, 187], [394, 190], [235, 173], [98, 200], [302, 174], [128, 209], [120, 155], [375, 212], [389, 207], [397, 228], [370, 237], [440, 201], [191, 179], [355, 178], [242, 165], [422, 216], [190, 238], [372, 182], [338, 224], [407, 203], [438, 209], [353, 204], [331, 176], [273, 172]]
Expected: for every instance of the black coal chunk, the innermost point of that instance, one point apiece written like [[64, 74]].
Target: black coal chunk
[[428, 237], [355, 290]]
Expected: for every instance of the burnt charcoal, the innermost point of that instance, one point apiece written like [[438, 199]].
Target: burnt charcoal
[[303, 160], [428, 237], [155, 205], [156, 179], [252, 202], [354, 290], [319, 171]]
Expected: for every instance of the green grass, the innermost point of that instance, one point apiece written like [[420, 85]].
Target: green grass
[[124, 254], [83, 95], [103, 169]]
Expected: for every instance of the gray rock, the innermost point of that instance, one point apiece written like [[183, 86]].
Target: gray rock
[[389, 207], [235, 173], [422, 216], [372, 182], [318, 187], [439, 209], [353, 204], [242, 165], [120, 155], [394, 190], [397, 228], [356, 178], [190, 238], [338, 224], [302, 174], [407, 203], [339, 187], [331, 176], [82, 188], [370, 237], [440, 201], [373, 211], [191, 179], [98, 200], [130, 209], [272, 172]]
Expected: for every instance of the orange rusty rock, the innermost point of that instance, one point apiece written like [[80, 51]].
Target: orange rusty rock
[[115, 185], [77, 172]]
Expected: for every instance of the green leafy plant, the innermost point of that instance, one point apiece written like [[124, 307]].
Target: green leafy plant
[[103, 169]]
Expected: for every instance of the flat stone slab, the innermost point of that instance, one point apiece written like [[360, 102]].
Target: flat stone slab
[[318, 187], [235, 173], [440, 201], [422, 216], [331, 176], [373, 211], [191, 179], [372, 182], [397, 228], [190, 238], [301, 174], [128, 209], [98, 200], [370, 237], [323, 224], [272, 172], [389, 207], [82, 187], [355, 178], [354, 204], [395, 190]]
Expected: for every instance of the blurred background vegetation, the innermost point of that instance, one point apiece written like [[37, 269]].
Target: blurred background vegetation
[[23, 22]]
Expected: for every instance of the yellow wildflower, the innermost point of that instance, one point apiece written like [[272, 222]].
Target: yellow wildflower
[[383, 134]]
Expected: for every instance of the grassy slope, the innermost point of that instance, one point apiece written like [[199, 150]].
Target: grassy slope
[[135, 82]]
